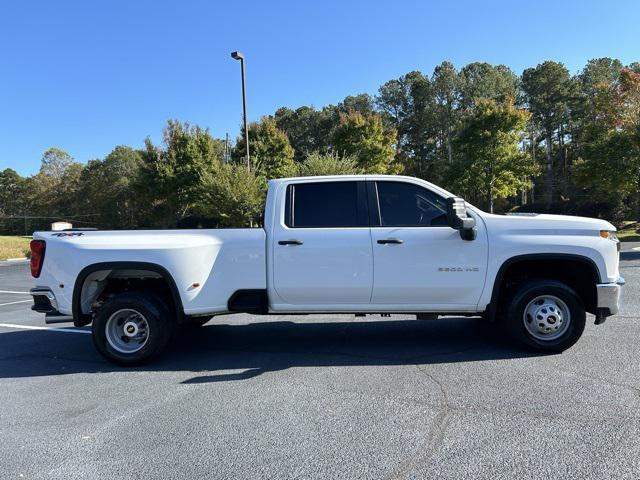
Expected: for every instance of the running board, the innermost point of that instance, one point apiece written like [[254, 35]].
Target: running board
[[49, 319]]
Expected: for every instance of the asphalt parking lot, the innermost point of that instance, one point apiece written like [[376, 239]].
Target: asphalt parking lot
[[320, 397]]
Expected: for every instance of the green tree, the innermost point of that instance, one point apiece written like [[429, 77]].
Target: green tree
[[599, 71], [425, 125], [362, 103], [549, 90], [270, 150], [55, 162], [107, 188], [318, 163], [12, 196], [394, 102], [67, 195], [307, 129], [366, 139], [408, 105], [482, 80], [11, 189], [41, 199], [171, 176], [53, 192], [233, 196], [446, 90], [490, 164]]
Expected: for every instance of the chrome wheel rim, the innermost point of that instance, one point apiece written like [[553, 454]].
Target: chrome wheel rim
[[546, 318], [127, 331]]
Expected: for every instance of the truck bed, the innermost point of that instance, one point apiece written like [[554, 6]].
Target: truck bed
[[218, 261]]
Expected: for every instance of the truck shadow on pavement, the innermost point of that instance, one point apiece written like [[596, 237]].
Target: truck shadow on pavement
[[216, 352]]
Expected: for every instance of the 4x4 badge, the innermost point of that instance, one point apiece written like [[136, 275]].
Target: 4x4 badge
[[67, 234], [458, 269]]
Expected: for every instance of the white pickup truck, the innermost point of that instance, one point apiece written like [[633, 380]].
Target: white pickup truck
[[337, 244]]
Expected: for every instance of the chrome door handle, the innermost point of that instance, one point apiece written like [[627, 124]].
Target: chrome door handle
[[290, 242], [392, 241]]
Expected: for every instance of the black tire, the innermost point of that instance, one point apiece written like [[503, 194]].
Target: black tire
[[159, 319], [514, 318]]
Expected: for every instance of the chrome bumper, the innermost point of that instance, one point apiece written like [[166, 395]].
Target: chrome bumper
[[609, 296]]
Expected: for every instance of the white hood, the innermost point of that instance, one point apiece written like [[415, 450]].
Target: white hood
[[550, 224]]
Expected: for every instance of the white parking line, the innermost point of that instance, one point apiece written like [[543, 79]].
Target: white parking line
[[11, 291], [13, 303], [51, 329]]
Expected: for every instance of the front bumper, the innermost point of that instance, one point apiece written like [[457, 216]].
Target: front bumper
[[609, 297]]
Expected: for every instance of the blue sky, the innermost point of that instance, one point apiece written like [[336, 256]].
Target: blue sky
[[89, 75]]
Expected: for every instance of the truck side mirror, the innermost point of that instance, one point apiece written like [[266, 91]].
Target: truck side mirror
[[458, 219]]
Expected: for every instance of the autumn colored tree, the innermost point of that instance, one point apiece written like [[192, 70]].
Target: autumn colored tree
[[610, 154]]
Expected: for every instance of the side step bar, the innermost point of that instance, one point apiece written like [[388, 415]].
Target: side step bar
[[56, 317]]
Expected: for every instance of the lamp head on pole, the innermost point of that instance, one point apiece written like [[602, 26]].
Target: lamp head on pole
[[237, 55]]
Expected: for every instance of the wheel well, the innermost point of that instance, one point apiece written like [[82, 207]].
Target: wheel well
[[579, 273], [97, 283]]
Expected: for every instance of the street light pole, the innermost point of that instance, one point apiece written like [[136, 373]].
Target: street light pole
[[239, 56]]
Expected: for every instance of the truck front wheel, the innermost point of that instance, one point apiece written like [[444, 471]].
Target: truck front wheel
[[545, 315], [132, 328]]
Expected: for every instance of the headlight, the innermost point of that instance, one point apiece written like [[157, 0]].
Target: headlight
[[610, 234]]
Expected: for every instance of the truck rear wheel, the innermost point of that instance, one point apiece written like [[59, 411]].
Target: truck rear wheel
[[132, 328], [545, 315]]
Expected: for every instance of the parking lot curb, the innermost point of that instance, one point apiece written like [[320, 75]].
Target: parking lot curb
[[15, 262]]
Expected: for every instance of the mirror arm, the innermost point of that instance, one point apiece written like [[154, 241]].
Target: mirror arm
[[468, 233], [458, 219]]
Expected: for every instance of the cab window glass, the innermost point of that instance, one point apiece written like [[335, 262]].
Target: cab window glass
[[323, 204], [409, 205]]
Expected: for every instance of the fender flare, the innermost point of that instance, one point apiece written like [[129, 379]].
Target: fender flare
[[80, 319], [497, 282]]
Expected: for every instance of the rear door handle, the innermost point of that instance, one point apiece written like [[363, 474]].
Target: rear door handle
[[392, 241], [290, 242]]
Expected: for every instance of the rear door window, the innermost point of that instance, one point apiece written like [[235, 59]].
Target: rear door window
[[325, 205]]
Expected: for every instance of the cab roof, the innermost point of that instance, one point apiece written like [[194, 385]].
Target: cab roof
[[326, 178]]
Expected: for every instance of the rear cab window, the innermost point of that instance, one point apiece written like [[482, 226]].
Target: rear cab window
[[339, 204]]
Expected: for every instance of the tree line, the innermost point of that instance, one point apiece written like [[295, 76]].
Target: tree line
[[544, 141]]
